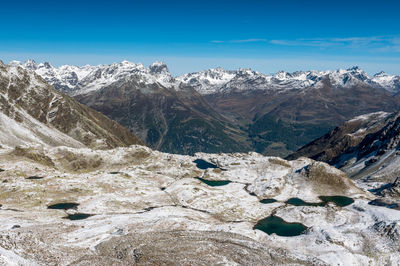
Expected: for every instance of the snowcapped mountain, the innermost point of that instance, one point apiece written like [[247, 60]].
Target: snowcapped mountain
[[80, 80], [32, 111], [218, 80], [389, 82]]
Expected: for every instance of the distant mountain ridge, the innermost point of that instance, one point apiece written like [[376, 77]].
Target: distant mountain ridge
[[77, 80], [219, 110]]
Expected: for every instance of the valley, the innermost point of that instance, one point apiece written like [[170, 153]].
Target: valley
[[219, 110]]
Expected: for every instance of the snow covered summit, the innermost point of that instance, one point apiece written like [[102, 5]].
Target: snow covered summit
[[81, 80]]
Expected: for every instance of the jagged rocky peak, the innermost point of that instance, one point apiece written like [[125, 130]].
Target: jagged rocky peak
[[47, 65], [381, 74], [246, 73], [282, 75], [355, 69], [159, 68], [358, 73], [30, 64]]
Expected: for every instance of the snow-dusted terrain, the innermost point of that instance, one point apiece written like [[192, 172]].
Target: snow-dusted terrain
[[136, 193], [80, 80]]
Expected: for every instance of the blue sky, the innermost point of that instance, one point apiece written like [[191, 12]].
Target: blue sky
[[267, 36]]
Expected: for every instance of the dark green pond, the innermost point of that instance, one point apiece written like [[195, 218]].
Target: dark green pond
[[200, 163], [35, 177], [267, 201], [277, 225], [213, 183], [78, 216], [300, 202], [341, 201], [63, 206]]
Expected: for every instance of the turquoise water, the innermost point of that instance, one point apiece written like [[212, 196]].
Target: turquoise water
[[213, 183], [277, 225]]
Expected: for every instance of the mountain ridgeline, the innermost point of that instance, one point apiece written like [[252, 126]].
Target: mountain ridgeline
[[367, 146], [32, 111], [217, 110]]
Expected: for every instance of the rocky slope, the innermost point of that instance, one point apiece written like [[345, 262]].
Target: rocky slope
[[366, 148], [271, 114], [33, 111], [344, 138]]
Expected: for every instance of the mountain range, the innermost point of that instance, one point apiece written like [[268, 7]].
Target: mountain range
[[74, 193], [219, 110]]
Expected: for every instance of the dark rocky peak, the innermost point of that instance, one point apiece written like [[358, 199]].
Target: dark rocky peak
[[30, 64], [382, 141], [47, 65], [358, 73], [245, 73], [158, 68], [354, 68], [380, 74]]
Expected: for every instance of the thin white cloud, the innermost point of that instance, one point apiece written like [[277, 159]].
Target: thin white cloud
[[377, 43], [240, 41]]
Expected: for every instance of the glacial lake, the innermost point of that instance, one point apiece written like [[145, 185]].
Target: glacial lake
[[63, 206], [214, 183], [202, 164], [277, 225]]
